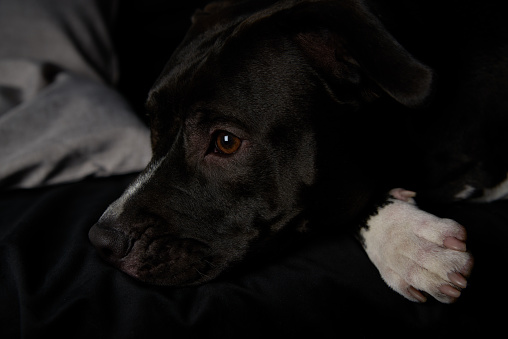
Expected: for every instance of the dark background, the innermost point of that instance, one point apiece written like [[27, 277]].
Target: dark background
[[146, 34]]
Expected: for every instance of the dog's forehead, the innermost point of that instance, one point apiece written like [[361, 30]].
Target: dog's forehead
[[243, 82], [196, 48], [212, 33]]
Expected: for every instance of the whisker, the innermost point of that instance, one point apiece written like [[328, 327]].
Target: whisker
[[209, 263], [202, 274], [182, 190]]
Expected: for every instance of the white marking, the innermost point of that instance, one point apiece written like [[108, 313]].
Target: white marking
[[406, 245], [117, 207], [498, 192], [143, 178], [465, 193]]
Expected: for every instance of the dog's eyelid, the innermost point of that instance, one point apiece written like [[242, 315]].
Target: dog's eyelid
[[215, 121], [228, 128]]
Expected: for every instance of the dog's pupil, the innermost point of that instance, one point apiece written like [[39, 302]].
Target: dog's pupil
[[227, 143]]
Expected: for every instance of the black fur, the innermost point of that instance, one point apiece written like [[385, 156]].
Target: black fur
[[333, 112]]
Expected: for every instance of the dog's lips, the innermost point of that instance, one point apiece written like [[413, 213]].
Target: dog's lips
[[170, 262]]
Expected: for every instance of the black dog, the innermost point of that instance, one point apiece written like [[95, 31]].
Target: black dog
[[272, 112]]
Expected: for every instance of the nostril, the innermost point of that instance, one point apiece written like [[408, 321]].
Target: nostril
[[111, 244]]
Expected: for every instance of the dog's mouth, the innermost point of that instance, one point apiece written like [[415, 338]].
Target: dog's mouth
[[167, 261], [163, 260]]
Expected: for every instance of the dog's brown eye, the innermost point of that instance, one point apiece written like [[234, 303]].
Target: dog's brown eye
[[227, 143]]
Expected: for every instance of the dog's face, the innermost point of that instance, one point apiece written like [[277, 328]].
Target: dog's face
[[232, 156], [233, 122]]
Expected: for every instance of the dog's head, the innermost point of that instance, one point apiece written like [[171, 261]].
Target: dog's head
[[234, 136]]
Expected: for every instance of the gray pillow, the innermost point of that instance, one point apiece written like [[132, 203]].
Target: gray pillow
[[61, 119]]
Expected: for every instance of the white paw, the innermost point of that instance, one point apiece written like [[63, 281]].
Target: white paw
[[416, 251]]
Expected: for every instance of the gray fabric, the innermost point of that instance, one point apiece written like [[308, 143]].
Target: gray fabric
[[72, 34], [60, 118]]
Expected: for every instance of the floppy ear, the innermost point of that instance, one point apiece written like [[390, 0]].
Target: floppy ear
[[209, 10], [217, 12], [356, 35], [340, 35]]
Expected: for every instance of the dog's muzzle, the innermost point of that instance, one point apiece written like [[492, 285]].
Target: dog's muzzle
[[160, 259]]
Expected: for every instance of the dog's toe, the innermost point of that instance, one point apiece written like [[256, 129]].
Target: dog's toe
[[402, 194]]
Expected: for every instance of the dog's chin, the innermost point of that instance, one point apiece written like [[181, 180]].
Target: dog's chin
[[183, 262], [168, 276]]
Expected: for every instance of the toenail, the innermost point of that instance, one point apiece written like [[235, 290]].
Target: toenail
[[457, 279], [454, 244], [449, 291], [417, 294]]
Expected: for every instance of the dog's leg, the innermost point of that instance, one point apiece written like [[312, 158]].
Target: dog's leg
[[416, 251]]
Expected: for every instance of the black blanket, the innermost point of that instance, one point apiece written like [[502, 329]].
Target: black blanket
[[54, 284]]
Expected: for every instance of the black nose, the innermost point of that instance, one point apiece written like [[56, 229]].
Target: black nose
[[111, 243]]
